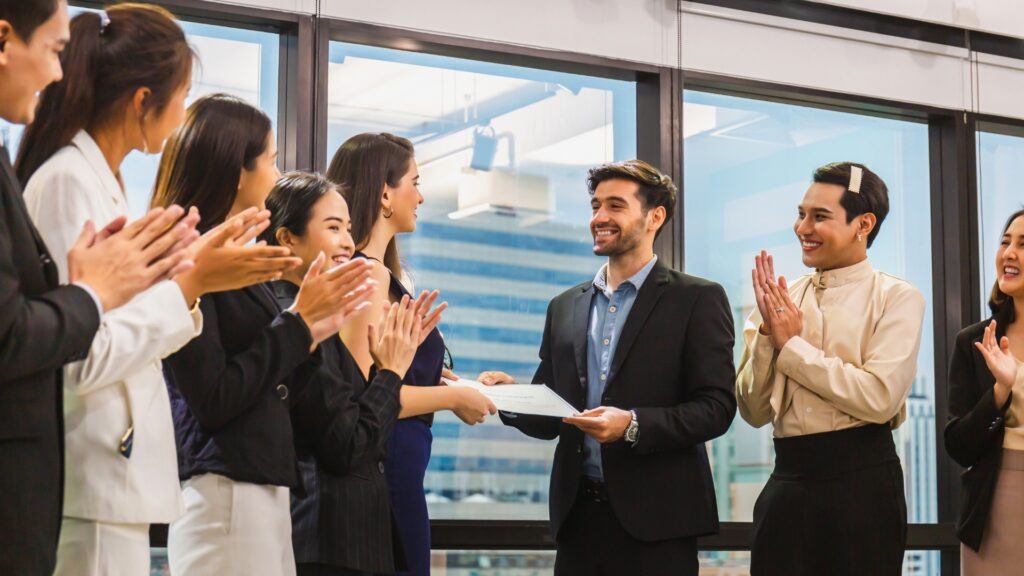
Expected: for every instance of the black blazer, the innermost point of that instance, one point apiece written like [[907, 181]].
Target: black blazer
[[974, 433], [674, 366], [42, 326], [341, 426], [231, 389]]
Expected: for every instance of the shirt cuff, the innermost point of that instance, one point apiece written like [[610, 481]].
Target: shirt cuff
[[92, 294], [795, 354]]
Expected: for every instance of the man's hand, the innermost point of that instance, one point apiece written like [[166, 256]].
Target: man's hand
[[604, 423], [761, 275], [121, 261], [787, 320]]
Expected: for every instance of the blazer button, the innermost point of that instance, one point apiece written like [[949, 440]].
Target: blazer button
[[282, 391], [579, 449], [380, 466]]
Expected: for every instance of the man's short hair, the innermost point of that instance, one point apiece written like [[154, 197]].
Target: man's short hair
[[27, 15], [654, 188], [873, 195]]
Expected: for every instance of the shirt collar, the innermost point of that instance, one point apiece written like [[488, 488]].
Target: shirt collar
[[840, 276], [636, 280], [95, 158]]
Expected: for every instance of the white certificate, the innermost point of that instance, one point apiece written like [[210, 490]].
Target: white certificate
[[535, 399]]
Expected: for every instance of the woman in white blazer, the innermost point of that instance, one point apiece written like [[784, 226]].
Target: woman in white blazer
[[127, 72]]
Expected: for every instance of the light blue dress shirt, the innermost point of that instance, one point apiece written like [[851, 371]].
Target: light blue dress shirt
[[608, 313]]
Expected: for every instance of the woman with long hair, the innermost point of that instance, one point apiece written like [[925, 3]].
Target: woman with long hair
[[231, 387], [985, 432], [126, 73], [343, 524], [380, 181]]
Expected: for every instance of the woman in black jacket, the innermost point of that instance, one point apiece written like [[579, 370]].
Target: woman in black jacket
[[985, 433], [232, 386], [343, 523]]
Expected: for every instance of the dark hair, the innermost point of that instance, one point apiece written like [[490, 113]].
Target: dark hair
[[362, 166], [203, 159], [873, 196], [27, 15], [999, 302], [291, 203], [142, 46], [655, 189]]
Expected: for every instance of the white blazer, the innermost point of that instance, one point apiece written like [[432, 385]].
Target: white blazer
[[121, 382]]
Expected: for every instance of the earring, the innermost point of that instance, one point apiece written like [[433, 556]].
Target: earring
[[859, 237], [388, 213]]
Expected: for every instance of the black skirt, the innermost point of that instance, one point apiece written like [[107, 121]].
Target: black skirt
[[834, 505]]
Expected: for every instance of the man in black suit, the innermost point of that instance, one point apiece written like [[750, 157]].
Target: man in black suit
[[44, 325], [646, 353]]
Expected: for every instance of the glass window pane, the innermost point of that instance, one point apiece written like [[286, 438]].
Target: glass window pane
[[503, 153], [1000, 154], [746, 165], [240, 62]]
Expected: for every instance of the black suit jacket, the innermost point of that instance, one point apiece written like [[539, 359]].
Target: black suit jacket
[[42, 326], [342, 425], [674, 366], [974, 432], [232, 386]]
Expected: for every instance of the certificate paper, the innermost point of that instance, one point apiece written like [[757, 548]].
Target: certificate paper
[[535, 399]]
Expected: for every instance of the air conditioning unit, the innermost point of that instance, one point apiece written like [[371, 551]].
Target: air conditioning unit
[[504, 192]]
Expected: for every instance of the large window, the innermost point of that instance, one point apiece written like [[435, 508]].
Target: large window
[[503, 153], [236, 61], [1000, 155], [747, 164]]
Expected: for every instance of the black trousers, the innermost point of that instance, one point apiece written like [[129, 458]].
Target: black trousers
[[834, 505], [592, 542], [325, 570]]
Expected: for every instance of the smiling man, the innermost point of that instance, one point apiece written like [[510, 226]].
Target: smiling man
[[829, 362], [645, 353]]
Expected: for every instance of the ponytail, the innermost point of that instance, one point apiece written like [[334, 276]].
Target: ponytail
[[104, 63]]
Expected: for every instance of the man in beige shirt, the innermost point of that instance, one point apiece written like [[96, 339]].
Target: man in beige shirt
[[829, 361]]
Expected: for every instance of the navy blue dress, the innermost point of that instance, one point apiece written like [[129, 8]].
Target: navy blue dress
[[409, 451]]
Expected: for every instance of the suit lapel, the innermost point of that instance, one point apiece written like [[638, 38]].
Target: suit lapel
[[262, 294], [580, 322], [646, 299], [49, 268]]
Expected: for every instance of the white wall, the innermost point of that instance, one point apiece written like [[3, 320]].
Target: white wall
[[997, 16], [734, 43]]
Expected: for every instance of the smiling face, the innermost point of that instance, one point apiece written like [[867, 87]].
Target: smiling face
[[329, 230], [827, 240], [1008, 259], [618, 222], [29, 66]]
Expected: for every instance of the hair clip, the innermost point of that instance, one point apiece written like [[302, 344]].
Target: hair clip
[[104, 21], [856, 174]]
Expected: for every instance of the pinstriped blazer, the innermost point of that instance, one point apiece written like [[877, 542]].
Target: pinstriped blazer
[[341, 426]]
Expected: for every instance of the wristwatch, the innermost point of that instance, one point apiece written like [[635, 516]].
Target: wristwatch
[[633, 430]]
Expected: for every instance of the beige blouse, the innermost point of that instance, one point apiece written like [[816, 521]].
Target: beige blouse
[[1013, 439], [853, 363]]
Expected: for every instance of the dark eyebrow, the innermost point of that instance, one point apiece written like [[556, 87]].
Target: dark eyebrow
[[816, 210], [335, 218], [610, 199]]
